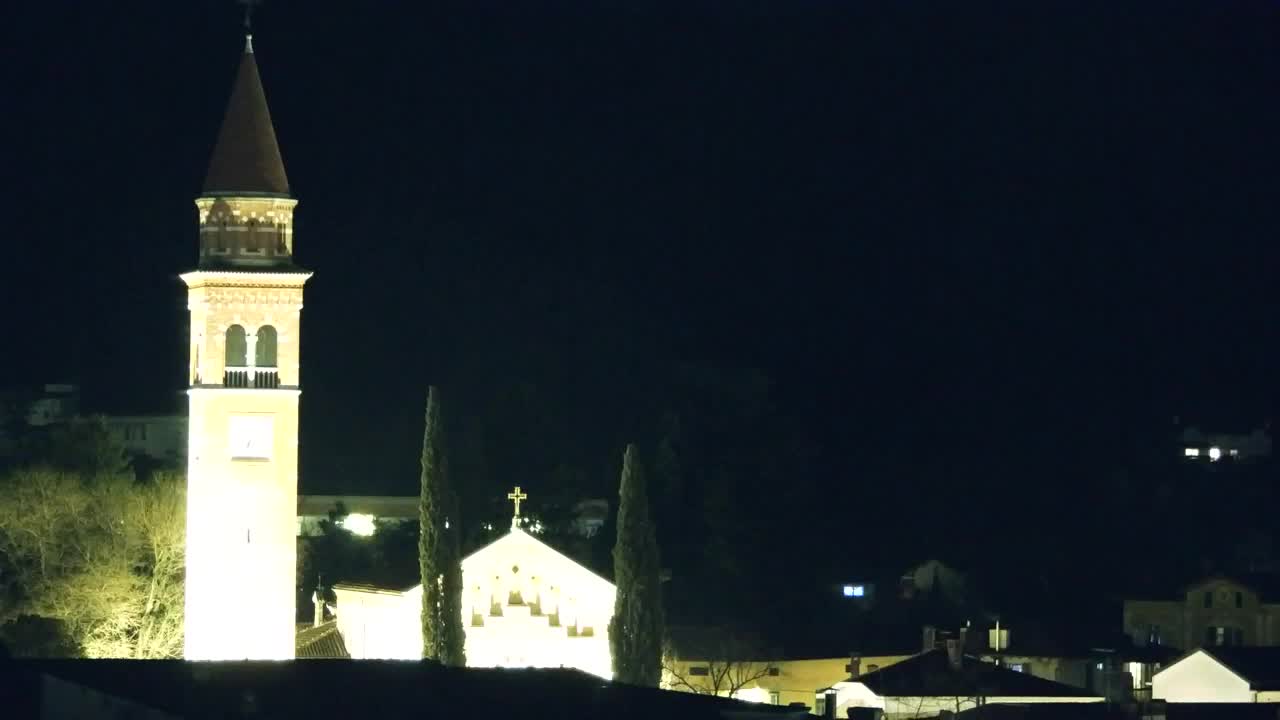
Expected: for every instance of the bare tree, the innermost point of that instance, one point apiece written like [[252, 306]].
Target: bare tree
[[713, 661], [104, 558]]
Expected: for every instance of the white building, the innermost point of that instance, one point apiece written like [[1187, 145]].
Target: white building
[[1221, 675], [523, 605]]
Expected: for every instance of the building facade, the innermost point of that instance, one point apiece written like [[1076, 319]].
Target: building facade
[[1215, 612], [523, 605], [245, 300]]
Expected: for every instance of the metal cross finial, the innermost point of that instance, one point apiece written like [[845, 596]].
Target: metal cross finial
[[248, 13], [517, 496], [248, 23]]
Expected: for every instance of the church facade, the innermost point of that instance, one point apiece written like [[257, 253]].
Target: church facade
[[524, 605], [245, 301]]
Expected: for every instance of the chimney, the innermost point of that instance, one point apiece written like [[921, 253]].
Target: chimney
[[930, 638], [317, 602], [855, 666], [954, 654]]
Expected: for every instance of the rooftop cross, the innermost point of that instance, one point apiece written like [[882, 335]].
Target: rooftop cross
[[248, 23], [516, 496]]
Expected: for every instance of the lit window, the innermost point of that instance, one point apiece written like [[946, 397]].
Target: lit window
[[1192, 452], [1215, 453], [855, 590], [1233, 452]]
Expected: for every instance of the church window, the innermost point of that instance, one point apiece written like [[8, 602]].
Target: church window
[[775, 672], [775, 697], [237, 348], [265, 349], [1208, 599], [699, 670]]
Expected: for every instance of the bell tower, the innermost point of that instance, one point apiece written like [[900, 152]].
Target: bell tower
[[245, 300]]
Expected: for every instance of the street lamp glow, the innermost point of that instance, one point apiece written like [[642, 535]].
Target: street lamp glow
[[360, 524]]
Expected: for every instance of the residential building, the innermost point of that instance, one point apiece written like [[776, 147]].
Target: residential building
[[1221, 675], [1202, 446], [1214, 612], [937, 681], [158, 437], [730, 662]]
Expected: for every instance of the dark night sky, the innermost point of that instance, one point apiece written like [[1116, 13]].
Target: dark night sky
[[961, 238]]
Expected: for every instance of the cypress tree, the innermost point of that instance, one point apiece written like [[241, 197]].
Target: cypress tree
[[438, 555], [636, 630]]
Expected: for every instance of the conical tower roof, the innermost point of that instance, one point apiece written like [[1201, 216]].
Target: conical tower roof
[[246, 159]]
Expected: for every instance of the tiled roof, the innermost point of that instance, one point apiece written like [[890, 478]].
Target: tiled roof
[[930, 674], [367, 688], [246, 158], [321, 643], [1260, 666]]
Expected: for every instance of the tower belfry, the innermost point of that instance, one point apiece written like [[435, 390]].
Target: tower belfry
[[245, 300]]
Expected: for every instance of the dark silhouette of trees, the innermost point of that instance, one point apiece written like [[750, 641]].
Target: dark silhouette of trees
[[438, 554], [636, 631]]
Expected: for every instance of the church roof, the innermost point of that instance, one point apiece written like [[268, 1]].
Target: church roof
[[320, 643], [518, 535], [246, 158]]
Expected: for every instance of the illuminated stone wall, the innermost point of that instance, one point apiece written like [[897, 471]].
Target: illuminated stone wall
[[242, 473], [524, 605], [246, 230]]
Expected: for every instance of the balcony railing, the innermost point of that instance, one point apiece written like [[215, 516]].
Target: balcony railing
[[251, 377]]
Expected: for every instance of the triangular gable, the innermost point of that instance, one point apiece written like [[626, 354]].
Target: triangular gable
[[520, 542], [516, 541], [1200, 651]]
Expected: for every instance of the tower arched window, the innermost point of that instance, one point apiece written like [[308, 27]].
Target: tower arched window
[[237, 348], [264, 352]]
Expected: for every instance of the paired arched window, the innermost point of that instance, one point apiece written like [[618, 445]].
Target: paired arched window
[[237, 347], [264, 353]]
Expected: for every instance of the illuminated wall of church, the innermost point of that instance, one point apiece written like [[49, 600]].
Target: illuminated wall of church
[[524, 605]]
